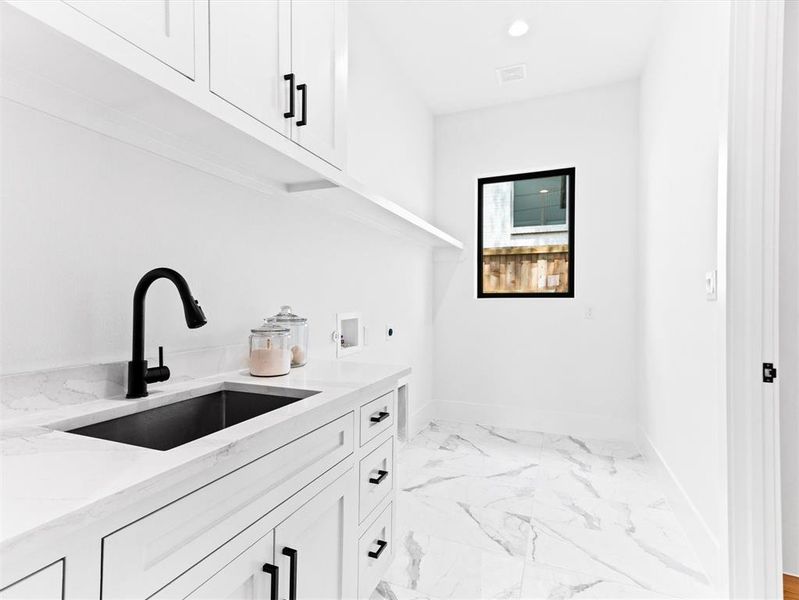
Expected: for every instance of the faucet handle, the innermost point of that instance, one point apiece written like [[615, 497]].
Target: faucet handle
[[160, 356]]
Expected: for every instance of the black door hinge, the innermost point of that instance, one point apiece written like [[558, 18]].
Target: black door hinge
[[769, 373]]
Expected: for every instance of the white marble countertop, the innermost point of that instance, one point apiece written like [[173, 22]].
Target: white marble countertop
[[52, 480]]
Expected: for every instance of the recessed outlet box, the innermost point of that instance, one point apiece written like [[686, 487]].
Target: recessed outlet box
[[710, 286], [349, 334]]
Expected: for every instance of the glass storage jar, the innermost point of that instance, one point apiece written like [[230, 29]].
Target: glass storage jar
[[270, 353], [299, 334]]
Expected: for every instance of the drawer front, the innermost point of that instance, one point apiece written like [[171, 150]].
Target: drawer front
[[370, 569], [147, 554], [45, 584], [377, 416], [376, 477]]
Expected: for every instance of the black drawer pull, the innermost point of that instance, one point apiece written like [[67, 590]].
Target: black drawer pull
[[292, 554], [290, 78], [382, 546], [381, 416], [381, 475], [273, 571], [303, 87]]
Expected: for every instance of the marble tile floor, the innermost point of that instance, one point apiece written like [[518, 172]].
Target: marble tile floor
[[485, 512]]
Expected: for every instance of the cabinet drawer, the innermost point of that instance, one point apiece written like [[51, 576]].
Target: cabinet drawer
[[44, 584], [376, 477], [145, 555], [370, 569], [377, 416]]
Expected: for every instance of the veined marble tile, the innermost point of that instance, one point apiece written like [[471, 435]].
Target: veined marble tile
[[483, 528], [431, 567], [596, 525], [622, 556], [546, 583], [481, 440], [390, 591], [509, 491]]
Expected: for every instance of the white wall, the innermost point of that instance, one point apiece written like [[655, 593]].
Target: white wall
[[390, 143], [538, 362], [789, 294], [681, 334], [84, 216]]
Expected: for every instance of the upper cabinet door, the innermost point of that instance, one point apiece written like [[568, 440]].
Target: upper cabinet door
[[319, 542], [162, 28], [250, 46], [319, 58]]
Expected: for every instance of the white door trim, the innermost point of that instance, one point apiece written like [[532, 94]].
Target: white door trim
[[755, 558]]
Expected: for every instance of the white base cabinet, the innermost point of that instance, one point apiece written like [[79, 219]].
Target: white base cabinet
[[309, 518], [45, 584]]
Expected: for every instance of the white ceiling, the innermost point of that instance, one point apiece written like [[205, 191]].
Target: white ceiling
[[450, 49]]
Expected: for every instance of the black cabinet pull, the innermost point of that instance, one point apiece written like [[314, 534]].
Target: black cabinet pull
[[292, 554], [290, 78], [381, 475], [381, 416], [382, 546], [303, 87], [273, 571]]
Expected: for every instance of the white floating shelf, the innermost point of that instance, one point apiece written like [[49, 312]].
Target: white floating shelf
[[353, 200], [141, 102]]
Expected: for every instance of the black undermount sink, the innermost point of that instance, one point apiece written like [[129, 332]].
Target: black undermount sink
[[173, 425]]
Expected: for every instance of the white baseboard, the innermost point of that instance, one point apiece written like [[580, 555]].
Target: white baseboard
[[704, 541], [421, 419], [533, 419]]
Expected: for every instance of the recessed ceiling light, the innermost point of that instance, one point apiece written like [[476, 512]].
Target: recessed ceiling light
[[518, 28], [543, 192]]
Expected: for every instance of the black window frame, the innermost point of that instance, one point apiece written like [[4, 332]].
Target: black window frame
[[571, 173]]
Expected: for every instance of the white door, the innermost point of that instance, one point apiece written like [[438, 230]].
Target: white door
[[250, 46], [162, 28], [316, 547], [319, 59], [250, 576]]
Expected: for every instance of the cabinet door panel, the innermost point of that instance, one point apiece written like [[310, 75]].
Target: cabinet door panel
[[243, 578], [249, 55], [319, 58], [46, 584], [162, 28], [324, 534]]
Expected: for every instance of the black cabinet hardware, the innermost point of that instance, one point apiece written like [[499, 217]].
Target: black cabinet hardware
[[273, 571], [292, 554], [290, 78], [381, 475], [381, 416], [381, 546], [303, 87], [769, 373]]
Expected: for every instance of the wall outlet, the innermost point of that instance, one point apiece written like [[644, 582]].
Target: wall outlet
[[710, 286], [589, 312]]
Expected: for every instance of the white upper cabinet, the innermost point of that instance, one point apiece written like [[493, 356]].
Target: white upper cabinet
[[162, 28], [284, 62], [319, 59], [250, 58]]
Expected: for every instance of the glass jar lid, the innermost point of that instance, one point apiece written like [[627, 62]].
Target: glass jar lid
[[286, 316], [270, 329]]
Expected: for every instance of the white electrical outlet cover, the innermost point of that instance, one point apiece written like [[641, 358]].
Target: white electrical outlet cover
[[710, 285]]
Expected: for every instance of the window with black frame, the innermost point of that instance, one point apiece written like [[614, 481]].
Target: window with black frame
[[525, 235]]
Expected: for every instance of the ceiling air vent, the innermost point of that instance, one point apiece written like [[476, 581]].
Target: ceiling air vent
[[511, 73]]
